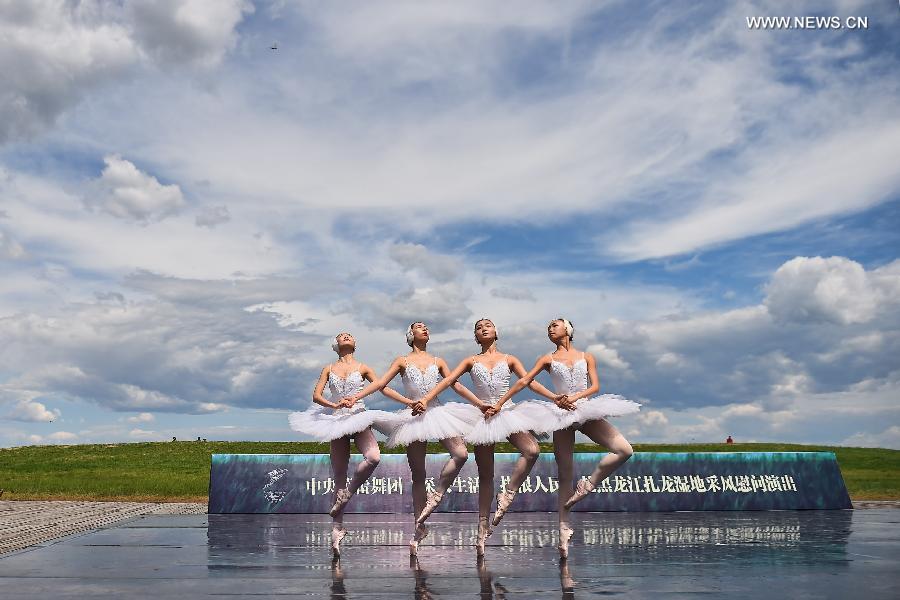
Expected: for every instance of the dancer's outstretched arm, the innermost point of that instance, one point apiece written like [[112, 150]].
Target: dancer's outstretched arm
[[527, 379], [459, 388], [536, 386], [594, 387], [317, 396], [370, 375], [449, 380], [381, 385]]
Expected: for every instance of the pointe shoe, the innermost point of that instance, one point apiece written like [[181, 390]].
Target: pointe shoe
[[337, 535], [583, 488], [341, 498], [565, 534], [434, 499], [483, 533], [504, 500], [420, 534]]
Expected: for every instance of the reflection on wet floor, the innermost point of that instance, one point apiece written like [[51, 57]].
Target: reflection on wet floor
[[810, 553]]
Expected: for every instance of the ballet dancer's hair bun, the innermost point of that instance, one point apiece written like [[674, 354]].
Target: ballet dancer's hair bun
[[570, 329], [409, 333], [496, 331]]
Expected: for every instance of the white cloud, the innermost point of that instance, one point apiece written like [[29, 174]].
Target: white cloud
[[10, 249], [864, 344], [125, 192], [416, 257], [598, 138], [834, 289], [652, 418], [607, 356], [177, 351], [586, 135], [210, 216], [389, 30], [142, 418], [889, 438], [813, 315], [32, 411], [53, 52], [513, 293], [443, 305], [62, 436], [187, 31], [850, 417], [793, 184], [143, 434], [671, 360], [48, 215]]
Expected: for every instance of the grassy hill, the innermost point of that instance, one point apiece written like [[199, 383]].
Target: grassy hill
[[179, 471]]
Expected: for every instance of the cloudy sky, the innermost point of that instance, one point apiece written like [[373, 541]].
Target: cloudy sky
[[187, 216]]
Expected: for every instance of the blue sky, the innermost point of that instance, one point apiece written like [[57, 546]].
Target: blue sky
[[186, 216]]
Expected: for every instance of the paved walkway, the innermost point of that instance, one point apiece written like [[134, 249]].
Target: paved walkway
[[818, 554], [876, 504], [26, 523]]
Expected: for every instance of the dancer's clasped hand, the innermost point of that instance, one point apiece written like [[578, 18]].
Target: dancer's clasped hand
[[563, 401], [418, 407]]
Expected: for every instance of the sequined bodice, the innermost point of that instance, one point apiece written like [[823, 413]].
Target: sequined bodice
[[417, 383], [566, 380], [344, 387], [490, 384]]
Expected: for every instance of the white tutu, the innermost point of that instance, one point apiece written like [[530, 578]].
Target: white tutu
[[512, 418], [325, 424], [438, 422], [587, 409]]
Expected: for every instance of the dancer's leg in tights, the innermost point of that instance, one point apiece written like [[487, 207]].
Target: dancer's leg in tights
[[484, 458], [528, 455], [368, 447], [458, 457], [340, 460], [603, 433], [415, 455], [563, 450]]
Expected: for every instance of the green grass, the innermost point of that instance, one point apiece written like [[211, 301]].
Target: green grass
[[179, 471]]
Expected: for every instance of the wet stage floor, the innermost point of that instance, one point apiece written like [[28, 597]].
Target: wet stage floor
[[804, 554]]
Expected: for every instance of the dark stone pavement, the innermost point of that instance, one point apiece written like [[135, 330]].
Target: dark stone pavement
[[799, 554]]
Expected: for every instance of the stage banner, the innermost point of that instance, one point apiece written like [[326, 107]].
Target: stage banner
[[650, 481]]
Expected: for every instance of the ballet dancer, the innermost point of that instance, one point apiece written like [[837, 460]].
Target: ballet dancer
[[338, 420], [574, 375], [490, 373], [419, 423]]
